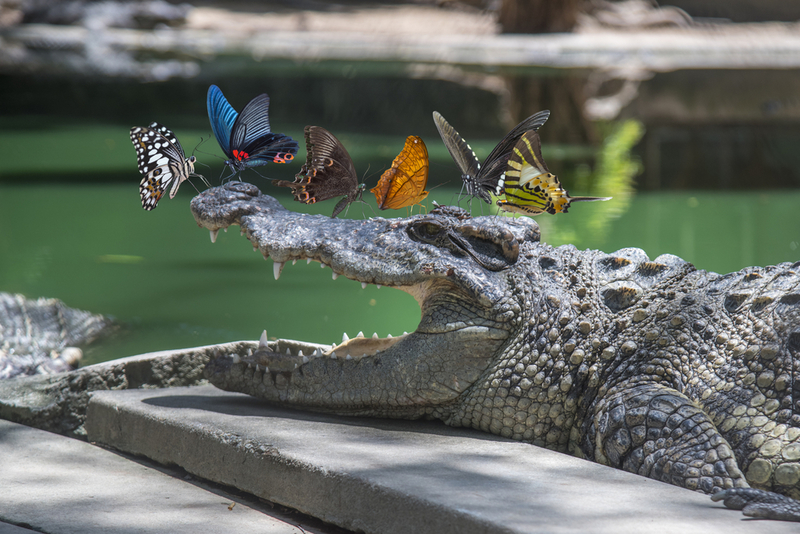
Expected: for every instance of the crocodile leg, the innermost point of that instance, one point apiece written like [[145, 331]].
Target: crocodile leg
[[659, 433], [759, 503]]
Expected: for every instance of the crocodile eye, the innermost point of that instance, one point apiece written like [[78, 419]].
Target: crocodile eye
[[426, 231], [430, 229]]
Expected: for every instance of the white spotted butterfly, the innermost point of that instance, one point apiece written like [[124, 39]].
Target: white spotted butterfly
[[162, 162]]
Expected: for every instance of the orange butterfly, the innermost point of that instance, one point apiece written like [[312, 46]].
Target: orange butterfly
[[403, 185]]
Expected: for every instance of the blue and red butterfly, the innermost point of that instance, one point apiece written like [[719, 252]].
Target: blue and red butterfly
[[246, 139]]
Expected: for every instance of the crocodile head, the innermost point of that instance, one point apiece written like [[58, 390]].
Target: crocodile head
[[457, 268]]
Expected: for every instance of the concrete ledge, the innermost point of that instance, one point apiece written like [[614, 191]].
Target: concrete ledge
[[58, 402], [395, 476], [60, 485]]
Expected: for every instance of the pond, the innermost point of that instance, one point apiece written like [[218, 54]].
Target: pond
[[72, 226]]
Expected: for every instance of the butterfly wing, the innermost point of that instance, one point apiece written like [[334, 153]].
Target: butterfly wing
[[490, 176], [328, 171], [161, 160], [222, 117], [462, 154], [253, 143], [459, 150], [404, 183], [529, 187]]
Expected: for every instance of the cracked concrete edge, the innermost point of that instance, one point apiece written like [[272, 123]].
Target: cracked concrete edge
[[58, 402]]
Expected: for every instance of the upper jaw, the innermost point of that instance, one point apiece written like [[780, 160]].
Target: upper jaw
[[373, 251]]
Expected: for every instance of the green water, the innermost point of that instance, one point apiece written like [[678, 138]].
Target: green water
[[160, 276], [72, 227]]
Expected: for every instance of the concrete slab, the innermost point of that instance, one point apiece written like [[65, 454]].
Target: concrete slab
[[6, 528], [396, 476], [55, 484]]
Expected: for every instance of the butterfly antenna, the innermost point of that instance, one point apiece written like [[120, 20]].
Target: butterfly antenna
[[197, 149], [200, 143]]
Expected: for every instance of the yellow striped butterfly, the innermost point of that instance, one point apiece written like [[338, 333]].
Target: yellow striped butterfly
[[481, 180], [530, 188]]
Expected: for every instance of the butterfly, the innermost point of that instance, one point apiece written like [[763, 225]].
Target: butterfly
[[403, 184], [480, 181], [328, 172], [530, 188], [162, 162], [246, 139]]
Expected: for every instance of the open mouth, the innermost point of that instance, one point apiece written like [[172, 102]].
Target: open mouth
[[444, 259], [286, 355]]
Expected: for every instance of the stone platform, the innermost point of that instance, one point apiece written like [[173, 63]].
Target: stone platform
[[388, 476]]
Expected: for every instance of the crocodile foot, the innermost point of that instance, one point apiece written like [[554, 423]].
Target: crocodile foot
[[760, 503]]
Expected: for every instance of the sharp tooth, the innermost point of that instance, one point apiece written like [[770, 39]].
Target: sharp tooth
[[345, 337], [378, 286], [360, 334], [294, 261], [405, 333], [262, 343], [236, 358], [249, 352], [266, 369], [377, 351], [364, 355], [305, 359], [322, 265], [226, 229], [257, 368], [317, 353], [363, 285], [388, 336], [308, 260], [276, 269], [300, 353], [348, 357], [333, 355], [374, 335], [288, 352], [334, 275], [214, 235]]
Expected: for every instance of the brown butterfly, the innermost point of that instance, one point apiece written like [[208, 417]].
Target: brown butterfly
[[404, 184], [328, 172]]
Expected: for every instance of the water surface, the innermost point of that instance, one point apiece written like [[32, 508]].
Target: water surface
[[160, 276]]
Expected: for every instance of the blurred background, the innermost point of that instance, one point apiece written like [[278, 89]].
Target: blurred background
[[687, 112]]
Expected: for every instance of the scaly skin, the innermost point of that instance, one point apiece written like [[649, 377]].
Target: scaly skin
[[42, 336], [649, 366]]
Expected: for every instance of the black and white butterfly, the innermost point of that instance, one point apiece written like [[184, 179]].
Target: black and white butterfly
[[481, 180], [328, 172], [162, 162]]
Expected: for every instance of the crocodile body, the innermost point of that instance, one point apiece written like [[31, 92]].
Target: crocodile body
[[43, 336], [650, 366]]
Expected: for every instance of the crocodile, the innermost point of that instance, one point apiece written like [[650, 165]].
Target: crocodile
[[650, 366], [44, 336]]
